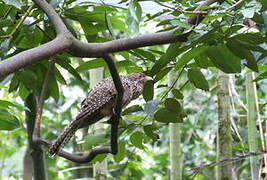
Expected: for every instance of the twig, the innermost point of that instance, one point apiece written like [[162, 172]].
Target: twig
[[40, 103], [7, 13], [180, 10], [223, 161], [234, 5], [20, 23]]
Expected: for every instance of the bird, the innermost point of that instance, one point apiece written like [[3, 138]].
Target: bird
[[99, 103]]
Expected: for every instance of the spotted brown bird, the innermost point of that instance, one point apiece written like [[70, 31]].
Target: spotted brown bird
[[99, 103]]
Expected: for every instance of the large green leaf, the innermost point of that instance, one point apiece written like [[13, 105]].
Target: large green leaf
[[8, 121], [5, 104], [150, 132], [92, 64], [239, 50], [261, 76], [172, 105], [93, 140], [177, 94], [121, 151], [165, 116], [148, 92], [224, 59], [63, 63], [137, 139], [131, 109], [194, 52], [196, 77], [172, 52]]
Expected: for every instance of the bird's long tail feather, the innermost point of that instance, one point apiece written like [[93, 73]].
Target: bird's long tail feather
[[64, 137]]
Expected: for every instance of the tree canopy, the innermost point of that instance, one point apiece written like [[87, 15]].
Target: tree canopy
[[48, 47]]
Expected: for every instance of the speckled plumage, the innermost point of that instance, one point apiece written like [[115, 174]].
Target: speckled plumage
[[99, 103]]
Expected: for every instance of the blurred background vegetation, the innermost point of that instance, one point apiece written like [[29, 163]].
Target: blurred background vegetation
[[204, 107]]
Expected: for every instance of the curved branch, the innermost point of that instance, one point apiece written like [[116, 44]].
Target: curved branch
[[52, 15], [18, 61], [81, 49]]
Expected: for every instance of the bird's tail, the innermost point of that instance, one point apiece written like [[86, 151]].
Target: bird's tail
[[64, 137]]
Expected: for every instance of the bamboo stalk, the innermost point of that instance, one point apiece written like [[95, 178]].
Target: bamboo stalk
[[224, 137], [175, 142], [251, 123]]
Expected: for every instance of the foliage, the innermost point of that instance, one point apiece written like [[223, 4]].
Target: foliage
[[221, 42]]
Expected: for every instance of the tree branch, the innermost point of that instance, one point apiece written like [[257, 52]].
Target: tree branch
[[224, 161], [53, 16], [40, 103], [34, 55], [65, 41]]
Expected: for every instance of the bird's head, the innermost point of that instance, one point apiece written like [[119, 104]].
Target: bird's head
[[140, 77]]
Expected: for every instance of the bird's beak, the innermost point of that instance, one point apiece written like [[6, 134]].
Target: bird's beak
[[148, 78]]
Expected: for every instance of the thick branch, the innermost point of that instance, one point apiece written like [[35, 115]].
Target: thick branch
[[31, 56], [81, 49], [52, 15]]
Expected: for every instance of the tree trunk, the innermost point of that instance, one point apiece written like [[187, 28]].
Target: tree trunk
[[36, 152], [175, 143], [224, 137], [252, 117], [27, 165]]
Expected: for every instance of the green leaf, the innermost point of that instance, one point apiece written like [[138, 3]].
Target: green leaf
[[261, 76], [131, 109], [194, 52], [63, 63], [250, 38], [53, 88], [177, 94], [137, 139], [93, 140], [121, 151], [224, 59], [172, 52], [150, 132], [148, 92], [31, 40], [92, 64], [177, 22], [59, 76], [165, 116], [239, 50], [109, 24], [5, 104], [8, 121], [99, 158], [172, 105], [196, 77], [162, 73], [203, 61], [144, 54]]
